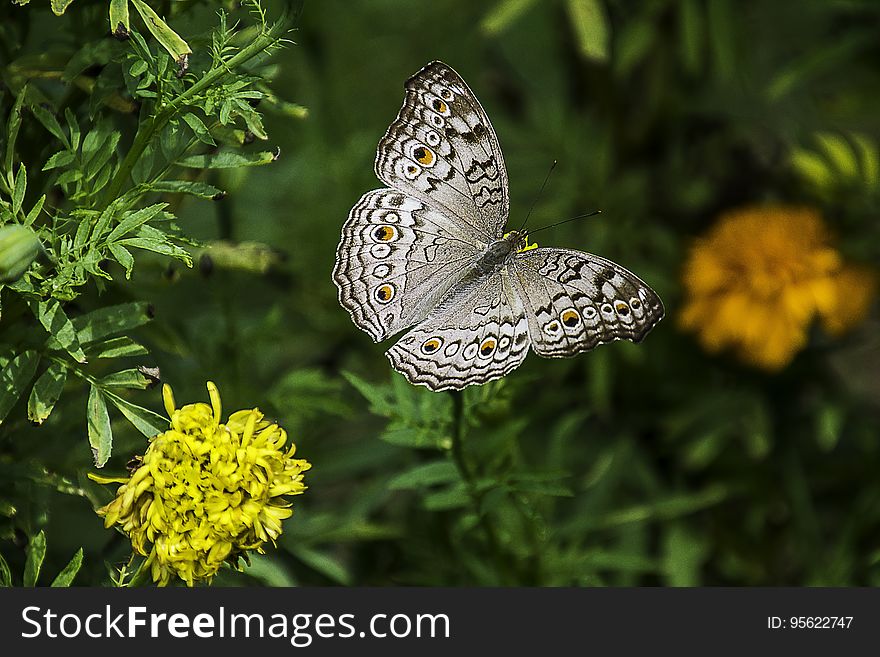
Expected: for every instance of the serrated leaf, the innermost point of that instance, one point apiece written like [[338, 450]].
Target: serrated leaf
[[119, 19], [192, 187], [130, 378], [199, 128], [121, 347], [100, 433], [46, 392], [144, 420], [51, 124], [123, 257], [159, 245], [60, 328], [19, 189], [170, 40], [228, 160], [133, 220], [59, 6], [590, 24], [425, 475], [36, 553], [59, 159], [107, 321], [65, 577], [14, 377]]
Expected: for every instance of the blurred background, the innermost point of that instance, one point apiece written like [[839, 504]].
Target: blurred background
[[733, 150]]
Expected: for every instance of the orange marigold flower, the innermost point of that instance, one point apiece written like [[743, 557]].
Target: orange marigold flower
[[759, 278]]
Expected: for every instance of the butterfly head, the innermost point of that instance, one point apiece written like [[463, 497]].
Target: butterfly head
[[519, 239]]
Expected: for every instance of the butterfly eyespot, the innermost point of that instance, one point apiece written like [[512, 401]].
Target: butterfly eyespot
[[431, 345], [590, 313], [471, 350], [607, 309], [571, 318], [380, 250], [423, 155], [445, 94], [391, 218], [432, 138], [385, 293], [452, 349], [385, 233], [622, 308], [487, 347], [635, 304], [436, 120], [381, 271], [411, 171], [551, 328], [440, 106]]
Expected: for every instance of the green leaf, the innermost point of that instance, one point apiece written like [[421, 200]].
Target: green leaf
[[51, 124], [104, 322], [19, 247], [19, 189], [59, 159], [591, 28], [869, 158], [144, 420], [133, 220], [60, 328], [36, 553], [65, 577], [454, 497], [35, 211], [328, 566], [100, 433], [46, 392], [170, 40], [839, 153], [503, 14], [160, 245], [5, 574], [123, 257], [193, 187], [59, 6], [119, 20], [691, 27], [14, 378], [228, 160], [425, 475], [199, 128], [130, 378], [121, 347], [12, 127]]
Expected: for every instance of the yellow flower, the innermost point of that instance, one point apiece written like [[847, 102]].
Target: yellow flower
[[760, 277], [206, 492]]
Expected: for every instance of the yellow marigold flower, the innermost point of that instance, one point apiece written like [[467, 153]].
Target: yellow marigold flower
[[206, 492], [760, 277]]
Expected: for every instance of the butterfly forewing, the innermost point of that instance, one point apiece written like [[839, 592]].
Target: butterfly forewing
[[396, 260], [442, 149]]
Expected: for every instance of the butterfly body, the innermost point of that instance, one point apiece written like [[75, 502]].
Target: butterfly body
[[429, 253]]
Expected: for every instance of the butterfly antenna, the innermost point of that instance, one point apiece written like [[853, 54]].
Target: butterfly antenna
[[559, 223], [540, 191]]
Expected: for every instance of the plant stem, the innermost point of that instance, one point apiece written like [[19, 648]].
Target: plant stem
[[459, 457]]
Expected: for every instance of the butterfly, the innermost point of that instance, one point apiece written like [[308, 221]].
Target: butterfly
[[429, 253]]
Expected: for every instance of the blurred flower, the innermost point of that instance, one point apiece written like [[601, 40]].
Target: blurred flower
[[761, 276], [206, 492]]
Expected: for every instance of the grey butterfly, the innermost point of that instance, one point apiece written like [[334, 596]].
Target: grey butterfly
[[429, 253]]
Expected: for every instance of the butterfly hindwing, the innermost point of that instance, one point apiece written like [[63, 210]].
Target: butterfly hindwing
[[576, 301], [477, 334], [442, 149], [395, 261]]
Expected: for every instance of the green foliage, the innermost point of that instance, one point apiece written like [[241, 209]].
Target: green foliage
[[131, 158]]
